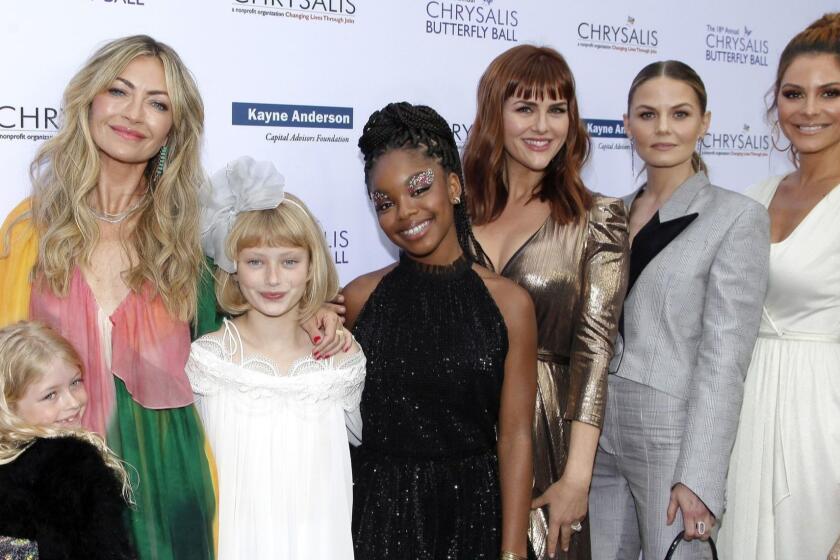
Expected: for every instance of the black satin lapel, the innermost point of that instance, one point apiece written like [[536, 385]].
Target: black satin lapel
[[649, 242]]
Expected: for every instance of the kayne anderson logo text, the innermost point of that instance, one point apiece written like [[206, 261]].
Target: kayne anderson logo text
[[735, 45], [625, 37], [605, 128], [333, 11], [294, 116], [302, 116], [607, 134], [467, 18], [19, 122]]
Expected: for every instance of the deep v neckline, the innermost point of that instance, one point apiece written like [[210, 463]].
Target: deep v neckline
[[87, 286], [516, 253], [805, 218]]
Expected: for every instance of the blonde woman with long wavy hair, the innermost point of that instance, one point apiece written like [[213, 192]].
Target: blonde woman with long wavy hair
[[106, 251], [54, 477]]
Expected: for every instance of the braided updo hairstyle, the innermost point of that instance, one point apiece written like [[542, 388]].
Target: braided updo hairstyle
[[403, 126]]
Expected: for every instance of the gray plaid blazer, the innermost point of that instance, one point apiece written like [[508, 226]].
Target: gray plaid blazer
[[691, 319]]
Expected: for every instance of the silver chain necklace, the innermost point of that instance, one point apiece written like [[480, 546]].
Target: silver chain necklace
[[120, 216]]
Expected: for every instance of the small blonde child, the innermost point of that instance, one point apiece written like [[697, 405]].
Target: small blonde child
[[277, 415], [63, 493]]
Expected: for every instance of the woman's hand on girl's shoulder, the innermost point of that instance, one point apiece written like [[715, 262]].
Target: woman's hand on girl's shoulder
[[327, 329], [342, 355], [327, 333]]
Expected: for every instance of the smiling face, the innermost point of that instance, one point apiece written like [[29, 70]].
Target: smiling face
[[666, 121], [809, 103], [535, 130], [56, 399], [130, 121], [413, 197], [273, 279]]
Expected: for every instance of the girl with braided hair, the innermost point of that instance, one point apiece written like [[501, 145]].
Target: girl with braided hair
[[783, 488], [444, 470]]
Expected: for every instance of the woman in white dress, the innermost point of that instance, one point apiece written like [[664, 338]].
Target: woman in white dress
[[784, 475], [274, 412]]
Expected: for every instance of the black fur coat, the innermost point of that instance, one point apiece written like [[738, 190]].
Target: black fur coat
[[60, 494]]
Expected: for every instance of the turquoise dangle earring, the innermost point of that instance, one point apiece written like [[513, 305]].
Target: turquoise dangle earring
[[161, 164]]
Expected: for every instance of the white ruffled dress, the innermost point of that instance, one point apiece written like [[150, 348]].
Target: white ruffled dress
[[281, 446]]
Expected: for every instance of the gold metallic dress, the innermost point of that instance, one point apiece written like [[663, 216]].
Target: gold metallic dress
[[576, 275]]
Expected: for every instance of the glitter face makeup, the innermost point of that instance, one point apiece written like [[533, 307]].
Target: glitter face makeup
[[412, 195], [416, 185], [421, 181], [379, 199]]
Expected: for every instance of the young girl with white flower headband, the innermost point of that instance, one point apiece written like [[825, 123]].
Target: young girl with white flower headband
[[274, 412]]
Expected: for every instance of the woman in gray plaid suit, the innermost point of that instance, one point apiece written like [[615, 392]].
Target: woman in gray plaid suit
[[698, 276]]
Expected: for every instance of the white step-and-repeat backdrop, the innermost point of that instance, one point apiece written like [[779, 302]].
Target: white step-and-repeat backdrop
[[338, 60]]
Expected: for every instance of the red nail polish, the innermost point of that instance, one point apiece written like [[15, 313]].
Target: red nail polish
[[317, 355], [317, 339]]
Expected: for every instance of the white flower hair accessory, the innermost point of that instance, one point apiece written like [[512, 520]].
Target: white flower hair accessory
[[242, 185]]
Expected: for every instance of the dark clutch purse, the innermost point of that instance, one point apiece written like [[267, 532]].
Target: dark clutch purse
[[679, 539]]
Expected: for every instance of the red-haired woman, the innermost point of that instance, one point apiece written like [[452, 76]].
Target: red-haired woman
[[783, 489], [539, 226]]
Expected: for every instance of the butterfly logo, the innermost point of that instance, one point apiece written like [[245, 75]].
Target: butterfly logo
[[631, 20], [747, 31], [746, 128]]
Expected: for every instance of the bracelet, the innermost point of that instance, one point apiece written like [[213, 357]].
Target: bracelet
[[507, 555]]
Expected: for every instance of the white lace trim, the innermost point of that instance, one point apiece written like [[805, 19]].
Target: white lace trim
[[212, 367]]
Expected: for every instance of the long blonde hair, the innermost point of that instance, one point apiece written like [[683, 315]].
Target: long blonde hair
[[66, 170], [26, 349]]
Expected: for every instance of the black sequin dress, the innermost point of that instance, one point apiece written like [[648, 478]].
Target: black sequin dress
[[426, 481]]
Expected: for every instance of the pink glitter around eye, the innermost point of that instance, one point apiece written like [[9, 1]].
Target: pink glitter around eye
[[421, 180], [378, 198]]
